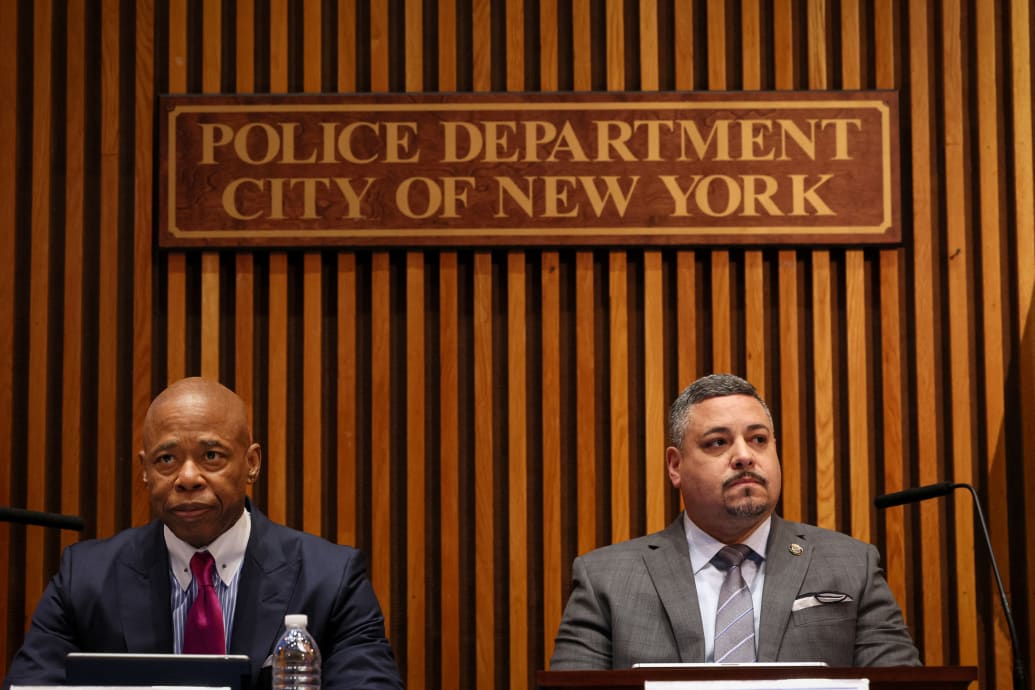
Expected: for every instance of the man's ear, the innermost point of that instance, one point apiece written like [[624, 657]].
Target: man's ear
[[253, 459], [143, 466], [673, 456]]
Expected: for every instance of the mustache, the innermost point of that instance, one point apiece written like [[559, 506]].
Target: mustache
[[746, 474]]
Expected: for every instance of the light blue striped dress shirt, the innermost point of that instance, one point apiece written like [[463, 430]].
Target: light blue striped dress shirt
[[228, 552]]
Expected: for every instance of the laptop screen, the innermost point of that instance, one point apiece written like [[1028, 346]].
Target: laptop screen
[[87, 668]]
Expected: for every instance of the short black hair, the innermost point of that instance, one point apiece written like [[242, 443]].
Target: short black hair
[[705, 388]]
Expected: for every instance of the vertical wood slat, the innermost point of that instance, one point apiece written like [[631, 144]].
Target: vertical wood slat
[[211, 69], [312, 459], [415, 471], [277, 364], [1024, 212], [72, 318], [449, 471], [345, 448], [928, 438], [553, 584], [990, 303], [176, 261], [108, 272], [615, 45], [856, 308], [517, 464], [39, 297], [381, 522], [582, 65], [143, 264], [9, 45], [655, 479], [585, 396], [484, 476], [686, 319], [621, 525], [959, 280]]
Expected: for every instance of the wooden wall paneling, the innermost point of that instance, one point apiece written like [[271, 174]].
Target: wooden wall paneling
[[515, 19], [1023, 202], [686, 320], [277, 349], [39, 298], [790, 416], [211, 70], [996, 642], [72, 314], [582, 54], [615, 44], [618, 424], [892, 383], [926, 351], [857, 308], [823, 392], [683, 37], [484, 477], [143, 251], [176, 261], [722, 313], [790, 420], [244, 262], [656, 480], [585, 399], [416, 663], [347, 491], [108, 275], [822, 313], [482, 44], [555, 587], [346, 53], [381, 564], [450, 538], [449, 473], [517, 472], [754, 326], [313, 418], [649, 40], [416, 462], [9, 45], [958, 262]]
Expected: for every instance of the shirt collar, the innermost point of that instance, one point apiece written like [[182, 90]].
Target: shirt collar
[[227, 550], [704, 546]]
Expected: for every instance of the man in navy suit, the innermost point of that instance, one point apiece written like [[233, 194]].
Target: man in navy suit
[[132, 592], [815, 595]]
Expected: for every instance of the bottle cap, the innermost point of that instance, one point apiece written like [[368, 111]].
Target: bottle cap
[[296, 620]]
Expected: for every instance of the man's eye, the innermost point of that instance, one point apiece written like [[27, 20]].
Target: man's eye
[[716, 443], [212, 455], [164, 459]]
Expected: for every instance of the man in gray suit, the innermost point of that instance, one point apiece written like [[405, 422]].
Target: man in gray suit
[[815, 595]]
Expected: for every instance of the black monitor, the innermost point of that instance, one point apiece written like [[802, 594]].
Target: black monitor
[[88, 668]]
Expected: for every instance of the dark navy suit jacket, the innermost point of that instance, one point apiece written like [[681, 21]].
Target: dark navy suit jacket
[[113, 595]]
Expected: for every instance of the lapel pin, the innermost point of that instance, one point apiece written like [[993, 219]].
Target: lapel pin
[[795, 549]]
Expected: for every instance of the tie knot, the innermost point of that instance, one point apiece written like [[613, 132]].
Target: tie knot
[[201, 566], [731, 556]]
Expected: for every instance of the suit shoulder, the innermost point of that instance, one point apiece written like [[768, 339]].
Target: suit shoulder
[[633, 549], [827, 537], [311, 545]]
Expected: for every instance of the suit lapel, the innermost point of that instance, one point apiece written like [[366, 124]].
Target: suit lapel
[[784, 573], [667, 559], [268, 579], [143, 593]]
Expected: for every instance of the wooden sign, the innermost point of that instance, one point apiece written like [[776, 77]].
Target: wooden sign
[[745, 168]]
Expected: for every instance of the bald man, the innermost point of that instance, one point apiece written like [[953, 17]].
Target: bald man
[[134, 591]]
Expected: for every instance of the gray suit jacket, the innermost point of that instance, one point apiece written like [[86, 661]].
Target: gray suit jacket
[[636, 602]]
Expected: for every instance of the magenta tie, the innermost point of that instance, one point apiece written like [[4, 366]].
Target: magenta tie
[[203, 632]]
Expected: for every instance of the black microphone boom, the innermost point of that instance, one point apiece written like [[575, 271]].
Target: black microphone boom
[[31, 517], [912, 495], [941, 489]]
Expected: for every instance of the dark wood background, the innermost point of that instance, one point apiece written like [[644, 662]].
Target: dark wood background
[[473, 419]]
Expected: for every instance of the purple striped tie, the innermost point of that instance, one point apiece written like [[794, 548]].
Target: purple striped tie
[[735, 619], [203, 632]]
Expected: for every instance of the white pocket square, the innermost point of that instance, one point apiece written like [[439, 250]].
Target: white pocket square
[[807, 601]]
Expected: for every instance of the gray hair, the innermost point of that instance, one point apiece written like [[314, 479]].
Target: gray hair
[[705, 388]]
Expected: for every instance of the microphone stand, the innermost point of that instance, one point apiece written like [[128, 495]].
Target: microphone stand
[[1019, 682]]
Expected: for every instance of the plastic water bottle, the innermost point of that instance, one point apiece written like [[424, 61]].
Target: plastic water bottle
[[296, 658]]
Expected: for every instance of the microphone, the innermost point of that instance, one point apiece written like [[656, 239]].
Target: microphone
[[31, 517], [921, 493], [915, 494]]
